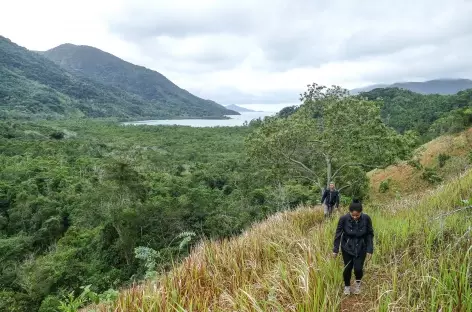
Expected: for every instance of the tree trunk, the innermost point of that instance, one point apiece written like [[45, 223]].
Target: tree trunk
[[328, 171]]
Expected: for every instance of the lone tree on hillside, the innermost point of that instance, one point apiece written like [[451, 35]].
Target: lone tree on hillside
[[331, 136]]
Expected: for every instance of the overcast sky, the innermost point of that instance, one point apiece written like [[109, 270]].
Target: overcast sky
[[259, 51]]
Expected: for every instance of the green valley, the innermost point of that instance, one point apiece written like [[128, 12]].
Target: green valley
[[93, 202]]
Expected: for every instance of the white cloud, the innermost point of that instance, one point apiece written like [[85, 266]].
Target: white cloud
[[237, 51]]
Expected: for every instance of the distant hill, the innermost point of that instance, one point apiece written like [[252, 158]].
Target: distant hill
[[150, 85], [33, 86], [408, 110], [438, 86], [239, 109]]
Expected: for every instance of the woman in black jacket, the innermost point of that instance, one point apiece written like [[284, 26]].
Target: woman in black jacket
[[355, 234]]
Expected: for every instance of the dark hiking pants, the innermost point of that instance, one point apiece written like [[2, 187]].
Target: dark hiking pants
[[353, 262], [328, 210]]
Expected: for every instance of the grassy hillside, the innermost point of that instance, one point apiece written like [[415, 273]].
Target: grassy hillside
[[426, 169], [148, 84], [32, 86], [421, 262]]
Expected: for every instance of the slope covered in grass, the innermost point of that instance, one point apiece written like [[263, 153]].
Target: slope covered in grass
[[414, 177], [421, 262]]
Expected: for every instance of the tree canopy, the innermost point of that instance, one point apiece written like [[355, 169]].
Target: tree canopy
[[332, 136]]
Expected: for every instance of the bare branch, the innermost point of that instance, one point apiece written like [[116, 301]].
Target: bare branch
[[301, 164], [304, 167]]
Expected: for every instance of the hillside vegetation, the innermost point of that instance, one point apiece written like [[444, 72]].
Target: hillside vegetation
[[77, 198], [150, 85], [433, 162], [95, 204], [429, 115], [33, 87], [422, 262]]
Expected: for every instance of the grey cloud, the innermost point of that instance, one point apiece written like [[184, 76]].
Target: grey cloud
[[446, 61], [288, 33], [177, 19], [208, 54], [302, 33], [436, 29], [421, 38]]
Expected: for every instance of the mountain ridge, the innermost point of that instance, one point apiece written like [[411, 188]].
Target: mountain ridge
[[239, 109], [111, 70], [444, 86], [32, 86]]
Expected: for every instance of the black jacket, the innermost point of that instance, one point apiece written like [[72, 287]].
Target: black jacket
[[332, 198], [356, 238]]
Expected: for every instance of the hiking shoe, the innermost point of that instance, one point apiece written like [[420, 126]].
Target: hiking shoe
[[357, 287], [347, 290]]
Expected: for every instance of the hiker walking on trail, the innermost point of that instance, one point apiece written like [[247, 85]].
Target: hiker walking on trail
[[355, 234], [330, 199]]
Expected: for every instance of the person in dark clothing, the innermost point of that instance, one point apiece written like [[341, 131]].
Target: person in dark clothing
[[330, 199], [355, 234]]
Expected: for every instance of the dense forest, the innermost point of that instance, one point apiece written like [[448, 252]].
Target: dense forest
[[81, 198], [34, 87], [429, 115], [78, 196]]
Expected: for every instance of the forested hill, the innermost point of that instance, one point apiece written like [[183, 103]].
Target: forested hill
[[32, 86], [428, 114], [148, 84], [436, 86]]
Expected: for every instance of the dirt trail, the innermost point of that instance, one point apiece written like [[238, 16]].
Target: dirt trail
[[366, 301], [356, 303]]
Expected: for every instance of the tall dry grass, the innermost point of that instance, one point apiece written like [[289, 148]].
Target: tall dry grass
[[421, 262]]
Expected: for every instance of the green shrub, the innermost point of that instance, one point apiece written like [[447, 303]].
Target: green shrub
[[415, 163], [57, 135], [297, 195], [345, 200], [442, 158], [385, 185], [11, 301], [70, 303], [431, 175]]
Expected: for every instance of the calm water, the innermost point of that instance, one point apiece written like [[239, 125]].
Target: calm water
[[237, 120]]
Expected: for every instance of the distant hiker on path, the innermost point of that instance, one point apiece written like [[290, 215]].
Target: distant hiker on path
[[356, 236], [330, 199]]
